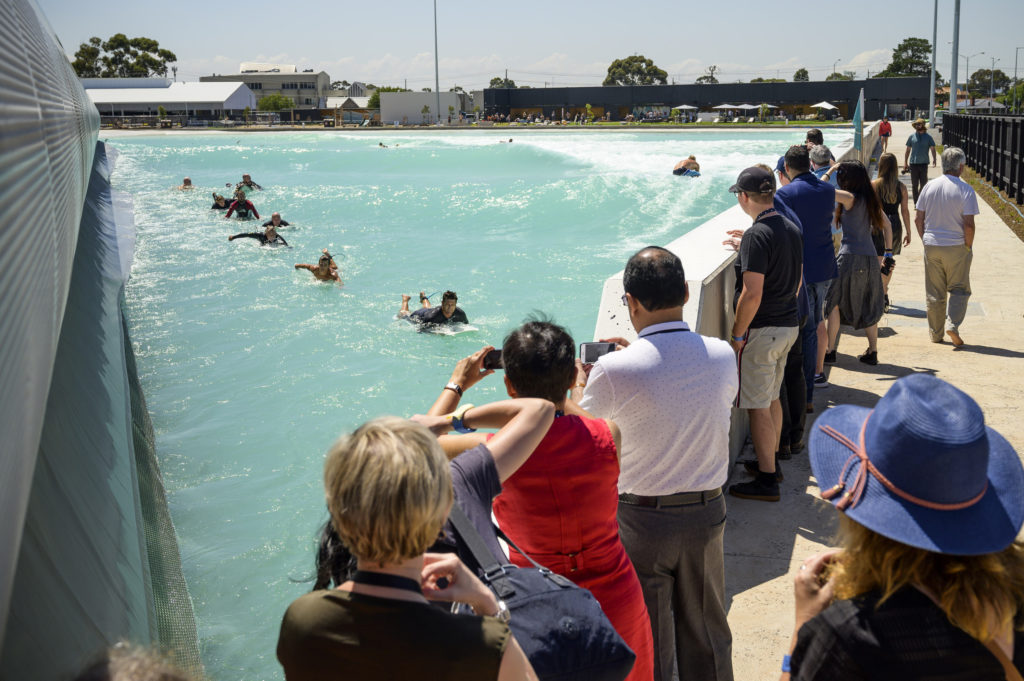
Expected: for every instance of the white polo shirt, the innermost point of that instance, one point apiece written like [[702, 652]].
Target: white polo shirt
[[671, 393], [945, 201]]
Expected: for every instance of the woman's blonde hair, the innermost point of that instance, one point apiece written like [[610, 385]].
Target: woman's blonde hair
[[388, 490], [979, 594], [889, 176]]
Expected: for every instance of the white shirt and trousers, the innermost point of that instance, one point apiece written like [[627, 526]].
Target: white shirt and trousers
[[947, 260], [671, 393]]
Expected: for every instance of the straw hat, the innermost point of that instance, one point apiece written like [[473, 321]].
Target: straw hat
[[921, 468], [920, 123]]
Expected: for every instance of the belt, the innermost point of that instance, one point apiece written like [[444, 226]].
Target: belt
[[680, 499]]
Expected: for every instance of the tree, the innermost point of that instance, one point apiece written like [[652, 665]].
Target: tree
[[635, 70], [768, 80], [801, 76], [275, 103], [374, 102], [845, 75], [709, 77], [340, 84], [982, 82], [161, 112], [912, 57], [498, 83], [425, 111], [122, 57]]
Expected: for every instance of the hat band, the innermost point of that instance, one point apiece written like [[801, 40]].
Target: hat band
[[856, 492]]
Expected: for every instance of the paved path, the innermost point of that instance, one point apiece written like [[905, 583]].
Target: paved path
[[764, 542]]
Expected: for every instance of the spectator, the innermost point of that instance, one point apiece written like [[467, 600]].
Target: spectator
[[560, 506], [884, 133], [945, 222], [856, 298], [915, 158], [126, 662], [766, 322], [670, 392], [929, 582], [389, 491], [893, 195], [821, 160]]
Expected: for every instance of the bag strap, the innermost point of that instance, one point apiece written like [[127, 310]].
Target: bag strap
[[493, 568]]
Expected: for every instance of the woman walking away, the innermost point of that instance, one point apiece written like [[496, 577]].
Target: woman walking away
[[929, 582], [856, 296], [893, 195], [389, 492]]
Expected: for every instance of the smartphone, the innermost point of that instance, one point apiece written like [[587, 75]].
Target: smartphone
[[492, 360], [589, 352]]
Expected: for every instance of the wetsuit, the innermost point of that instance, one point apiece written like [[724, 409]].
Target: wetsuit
[[247, 187], [686, 172], [278, 240], [243, 209], [283, 223], [217, 206], [433, 316]]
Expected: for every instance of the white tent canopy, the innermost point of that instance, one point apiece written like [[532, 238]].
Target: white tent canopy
[[823, 105], [724, 106], [747, 107], [684, 107]]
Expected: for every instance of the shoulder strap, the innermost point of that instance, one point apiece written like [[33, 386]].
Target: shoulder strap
[[1011, 672], [493, 567]]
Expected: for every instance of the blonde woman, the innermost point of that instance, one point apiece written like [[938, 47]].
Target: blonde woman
[[893, 196], [389, 492], [929, 583]]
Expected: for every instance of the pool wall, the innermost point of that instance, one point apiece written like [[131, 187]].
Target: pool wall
[[710, 278], [87, 552]]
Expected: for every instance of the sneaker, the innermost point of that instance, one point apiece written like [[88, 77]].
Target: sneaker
[[784, 454], [797, 448], [870, 357], [762, 488], [887, 305], [750, 465], [820, 381], [830, 357]]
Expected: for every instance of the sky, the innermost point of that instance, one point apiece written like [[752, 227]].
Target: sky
[[552, 44]]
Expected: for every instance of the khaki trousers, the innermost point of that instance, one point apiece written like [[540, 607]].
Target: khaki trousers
[[947, 272]]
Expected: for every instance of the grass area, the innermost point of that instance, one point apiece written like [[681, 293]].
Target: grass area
[[992, 197]]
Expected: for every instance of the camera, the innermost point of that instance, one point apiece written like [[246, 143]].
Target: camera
[[887, 265], [492, 360], [590, 352]]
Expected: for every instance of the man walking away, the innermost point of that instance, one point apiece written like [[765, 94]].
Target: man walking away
[[945, 222]]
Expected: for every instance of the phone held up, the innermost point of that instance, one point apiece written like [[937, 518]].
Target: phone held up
[[492, 360], [590, 352]]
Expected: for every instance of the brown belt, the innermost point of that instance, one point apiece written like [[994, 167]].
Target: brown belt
[[680, 499]]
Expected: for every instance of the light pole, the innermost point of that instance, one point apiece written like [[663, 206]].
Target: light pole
[[437, 79], [1015, 54], [968, 74], [991, 84], [834, 66]]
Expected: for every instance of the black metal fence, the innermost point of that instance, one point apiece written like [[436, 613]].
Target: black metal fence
[[994, 146]]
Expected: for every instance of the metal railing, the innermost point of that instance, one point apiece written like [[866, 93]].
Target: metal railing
[[994, 146]]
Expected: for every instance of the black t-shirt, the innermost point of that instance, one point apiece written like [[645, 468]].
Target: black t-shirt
[[772, 247], [433, 316], [906, 637], [476, 483]]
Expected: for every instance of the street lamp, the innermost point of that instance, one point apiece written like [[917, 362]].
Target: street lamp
[[834, 66], [968, 81], [1015, 54], [991, 84]]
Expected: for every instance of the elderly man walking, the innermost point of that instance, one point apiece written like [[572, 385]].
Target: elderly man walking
[[671, 393], [945, 221]]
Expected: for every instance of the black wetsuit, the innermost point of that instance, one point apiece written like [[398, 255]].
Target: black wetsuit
[[217, 206], [283, 223], [428, 317], [252, 185], [264, 241]]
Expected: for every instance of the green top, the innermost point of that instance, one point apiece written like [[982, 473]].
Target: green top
[[332, 634], [919, 144]]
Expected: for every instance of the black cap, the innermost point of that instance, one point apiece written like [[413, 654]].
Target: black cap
[[754, 180]]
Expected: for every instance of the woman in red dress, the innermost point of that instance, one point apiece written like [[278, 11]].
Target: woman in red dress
[[560, 506]]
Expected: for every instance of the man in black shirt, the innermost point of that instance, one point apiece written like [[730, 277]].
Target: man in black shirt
[[765, 327], [430, 317], [276, 221], [269, 237]]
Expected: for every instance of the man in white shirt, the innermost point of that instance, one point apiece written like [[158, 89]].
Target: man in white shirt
[[945, 221], [671, 393]]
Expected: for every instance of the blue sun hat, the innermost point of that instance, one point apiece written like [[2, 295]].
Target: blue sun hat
[[921, 468]]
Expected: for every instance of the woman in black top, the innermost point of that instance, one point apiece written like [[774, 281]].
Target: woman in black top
[[929, 583]]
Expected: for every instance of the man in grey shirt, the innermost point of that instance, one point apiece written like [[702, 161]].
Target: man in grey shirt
[[671, 393]]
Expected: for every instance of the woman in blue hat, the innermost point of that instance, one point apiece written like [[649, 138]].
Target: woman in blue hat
[[929, 582]]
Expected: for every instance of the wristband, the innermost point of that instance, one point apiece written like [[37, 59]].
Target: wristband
[[888, 253], [738, 339], [455, 387], [785, 664], [457, 417]]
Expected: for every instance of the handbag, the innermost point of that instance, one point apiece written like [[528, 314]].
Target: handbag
[[559, 625]]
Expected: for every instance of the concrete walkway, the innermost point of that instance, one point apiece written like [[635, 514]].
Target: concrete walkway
[[765, 542]]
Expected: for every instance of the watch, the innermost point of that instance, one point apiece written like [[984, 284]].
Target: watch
[[503, 614], [455, 387]]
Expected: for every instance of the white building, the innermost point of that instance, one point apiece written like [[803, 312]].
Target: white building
[[307, 88], [416, 108], [142, 96]]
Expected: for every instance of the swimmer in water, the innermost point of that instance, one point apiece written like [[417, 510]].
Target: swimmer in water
[[268, 237], [247, 185], [324, 270], [186, 184], [219, 202], [427, 316], [276, 221], [242, 206], [688, 167]]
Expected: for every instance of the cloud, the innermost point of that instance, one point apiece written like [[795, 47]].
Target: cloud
[[872, 60]]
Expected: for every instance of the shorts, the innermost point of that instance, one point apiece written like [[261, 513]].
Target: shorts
[[887, 134], [816, 294], [762, 365]]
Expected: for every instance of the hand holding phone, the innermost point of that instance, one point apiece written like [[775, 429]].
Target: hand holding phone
[[492, 360], [591, 352]]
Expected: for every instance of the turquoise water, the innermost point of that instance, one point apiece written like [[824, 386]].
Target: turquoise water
[[251, 368]]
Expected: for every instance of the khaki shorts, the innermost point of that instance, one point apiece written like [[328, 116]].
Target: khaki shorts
[[762, 365]]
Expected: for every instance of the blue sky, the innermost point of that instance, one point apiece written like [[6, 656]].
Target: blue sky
[[390, 42]]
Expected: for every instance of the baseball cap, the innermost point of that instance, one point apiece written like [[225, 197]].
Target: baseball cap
[[754, 180]]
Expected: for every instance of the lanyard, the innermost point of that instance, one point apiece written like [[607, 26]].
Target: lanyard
[[381, 579], [764, 213]]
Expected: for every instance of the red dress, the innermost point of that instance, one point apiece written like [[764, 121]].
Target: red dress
[[560, 507]]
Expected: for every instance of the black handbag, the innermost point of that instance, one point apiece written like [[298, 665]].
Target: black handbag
[[560, 626]]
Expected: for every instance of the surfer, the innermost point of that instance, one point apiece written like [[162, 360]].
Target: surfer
[[427, 316], [242, 206], [688, 167], [324, 270], [268, 237]]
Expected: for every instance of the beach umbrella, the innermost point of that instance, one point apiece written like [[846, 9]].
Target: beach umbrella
[[724, 106], [823, 105], [747, 107], [684, 107], [769, 106]]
